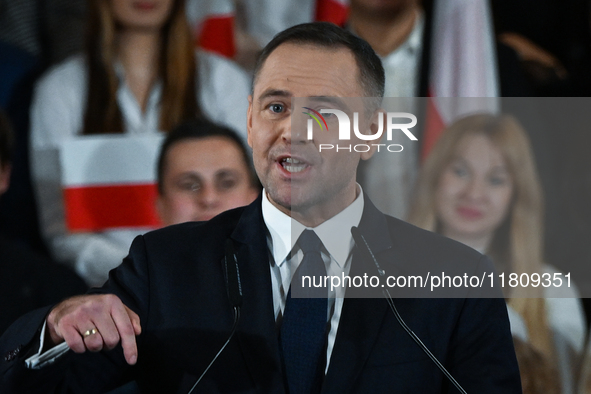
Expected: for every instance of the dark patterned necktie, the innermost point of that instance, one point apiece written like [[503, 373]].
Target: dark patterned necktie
[[303, 330]]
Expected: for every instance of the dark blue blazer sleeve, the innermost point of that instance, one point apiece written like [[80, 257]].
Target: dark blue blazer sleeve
[[78, 373]]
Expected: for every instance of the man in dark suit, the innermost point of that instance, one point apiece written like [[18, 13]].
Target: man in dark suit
[[168, 306]]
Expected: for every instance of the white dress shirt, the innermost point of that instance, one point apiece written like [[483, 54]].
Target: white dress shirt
[[335, 234]]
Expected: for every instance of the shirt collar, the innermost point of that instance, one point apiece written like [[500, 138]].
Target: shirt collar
[[335, 233], [138, 120]]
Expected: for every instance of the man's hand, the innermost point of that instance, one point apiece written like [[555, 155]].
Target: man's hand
[[74, 319]]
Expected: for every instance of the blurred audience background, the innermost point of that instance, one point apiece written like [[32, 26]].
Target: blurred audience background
[[81, 69], [29, 280], [538, 376], [138, 74], [479, 186]]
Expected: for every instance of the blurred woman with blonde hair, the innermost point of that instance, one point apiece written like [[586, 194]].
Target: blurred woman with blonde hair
[[479, 186]]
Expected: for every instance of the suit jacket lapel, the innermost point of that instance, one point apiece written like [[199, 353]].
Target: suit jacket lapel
[[257, 331], [361, 318]]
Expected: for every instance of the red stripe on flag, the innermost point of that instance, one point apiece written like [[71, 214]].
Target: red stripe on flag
[[434, 126], [217, 35], [95, 208], [331, 11]]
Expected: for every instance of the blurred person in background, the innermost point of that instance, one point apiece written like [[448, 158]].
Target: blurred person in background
[[33, 35], [138, 75], [570, 245], [538, 376], [413, 39], [28, 280], [18, 212], [203, 170], [479, 186], [396, 31]]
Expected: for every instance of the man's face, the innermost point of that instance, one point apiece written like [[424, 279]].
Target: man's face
[[299, 180], [202, 178]]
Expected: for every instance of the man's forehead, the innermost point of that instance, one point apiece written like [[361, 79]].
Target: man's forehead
[[315, 66], [199, 143]]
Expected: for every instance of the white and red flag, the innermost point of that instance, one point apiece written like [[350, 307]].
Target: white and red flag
[[212, 22], [463, 64], [265, 18], [109, 182], [335, 11]]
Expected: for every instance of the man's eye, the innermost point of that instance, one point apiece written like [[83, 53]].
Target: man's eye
[[190, 186], [276, 108], [227, 184]]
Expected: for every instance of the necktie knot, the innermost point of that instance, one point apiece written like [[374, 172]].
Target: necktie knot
[[312, 264], [309, 242]]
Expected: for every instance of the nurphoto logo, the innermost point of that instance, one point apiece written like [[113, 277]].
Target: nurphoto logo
[[392, 124]]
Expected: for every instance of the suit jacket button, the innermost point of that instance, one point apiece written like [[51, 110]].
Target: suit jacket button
[[11, 355]]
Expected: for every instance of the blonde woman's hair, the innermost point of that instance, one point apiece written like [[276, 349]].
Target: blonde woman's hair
[[517, 243]]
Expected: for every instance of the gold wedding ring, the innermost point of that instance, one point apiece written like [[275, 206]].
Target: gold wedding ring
[[90, 332]]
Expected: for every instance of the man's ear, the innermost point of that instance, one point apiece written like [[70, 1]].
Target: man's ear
[[374, 124], [249, 120], [4, 178]]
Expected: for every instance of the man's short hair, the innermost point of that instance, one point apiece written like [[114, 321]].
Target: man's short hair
[[328, 35], [200, 129], [6, 140]]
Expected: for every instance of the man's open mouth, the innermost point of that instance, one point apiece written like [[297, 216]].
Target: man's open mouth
[[293, 165]]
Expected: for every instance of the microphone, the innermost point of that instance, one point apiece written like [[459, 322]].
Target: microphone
[[368, 255], [232, 275], [234, 291]]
